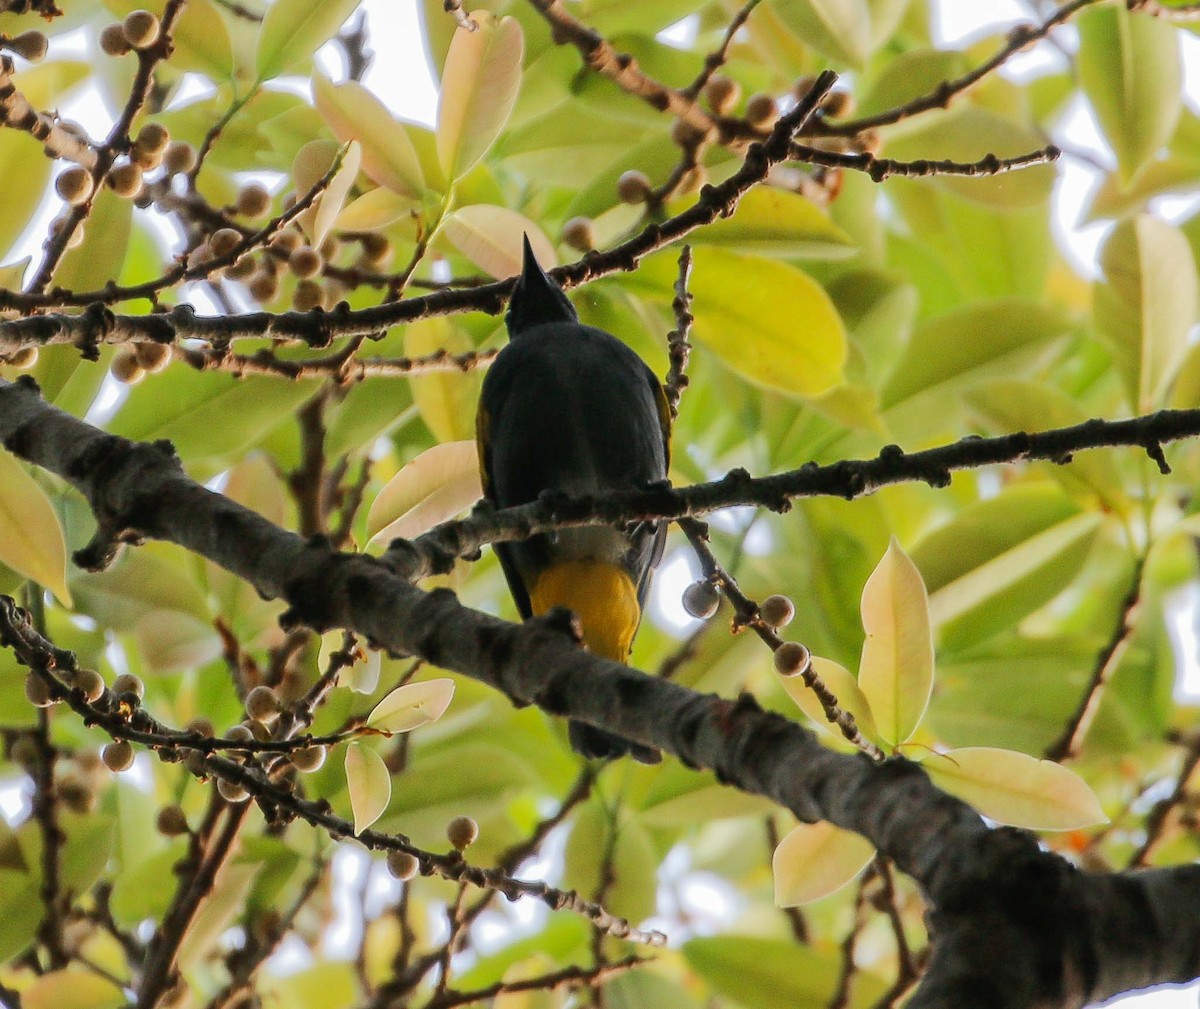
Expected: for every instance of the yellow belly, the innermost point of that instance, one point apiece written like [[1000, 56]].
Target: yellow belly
[[602, 595]]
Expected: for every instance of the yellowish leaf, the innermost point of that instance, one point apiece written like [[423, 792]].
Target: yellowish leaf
[[312, 162], [369, 784], [816, 859], [412, 705], [446, 399], [490, 237], [896, 671], [375, 209], [293, 30], [31, 537], [843, 686], [435, 486], [1015, 788], [77, 988]]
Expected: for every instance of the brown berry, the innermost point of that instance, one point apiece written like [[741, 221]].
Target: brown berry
[[761, 109], [179, 156], [117, 755], [171, 821], [402, 865], [125, 368], [224, 240], [125, 180], [721, 93], [153, 137], [308, 758], [377, 250], [838, 104], [153, 357], [90, 682], [201, 726], [462, 832], [76, 795], [701, 599], [112, 40], [262, 704], [329, 248], [30, 45], [241, 268], [127, 683], [307, 296], [633, 187], [684, 134], [146, 160], [239, 734], [26, 357], [253, 200], [791, 659], [263, 286], [259, 731], [286, 240], [231, 791], [777, 611], [305, 262], [580, 234], [37, 691], [140, 28], [74, 184]]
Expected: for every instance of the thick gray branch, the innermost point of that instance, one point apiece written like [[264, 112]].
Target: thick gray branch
[[1014, 926]]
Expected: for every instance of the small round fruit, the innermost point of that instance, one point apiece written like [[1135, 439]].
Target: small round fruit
[[140, 28], [259, 731], [838, 104], [128, 683], [76, 795], [239, 733], [125, 368], [180, 156], [462, 832], [402, 865], [721, 93], [633, 187], [112, 40], [224, 240], [74, 185], [791, 659], [376, 249], [580, 234], [777, 611], [329, 248], [30, 45], [201, 726], [308, 758], [684, 134], [153, 137], [307, 296], [241, 268], [37, 692], [26, 357], [253, 200], [701, 599], [171, 821], [146, 160], [231, 791], [761, 109], [194, 762], [305, 262], [286, 240], [117, 755], [125, 179], [91, 683], [263, 287], [262, 704], [153, 357]]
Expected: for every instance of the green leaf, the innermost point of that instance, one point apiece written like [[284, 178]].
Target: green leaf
[[412, 705], [446, 399], [1015, 788], [295, 29], [74, 987], [1130, 71], [101, 254], [354, 113], [369, 783], [479, 86], [911, 75], [170, 642], [490, 237], [968, 133], [768, 973], [201, 38], [437, 485], [774, 222], [679, 797], [634, 862], [768, 321], [844, 687], [311, 164], [31, 537], [816, 859], [1147, 305], [1000, 559], [139, 581], [896, 672], [841, 29], [20, 911], [1114, 199], [138, 892], [217, 912]]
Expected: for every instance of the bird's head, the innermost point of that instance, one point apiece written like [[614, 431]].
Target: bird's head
[[536, 299]]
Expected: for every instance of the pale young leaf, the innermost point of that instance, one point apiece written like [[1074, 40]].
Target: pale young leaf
[[312, 162], [31, 537], [896, 670], [369, 784], [412, 705], [438, 484], [293, 30], [490, 237], [816, 859], [74, 987], [843, 686], [1015, 788]]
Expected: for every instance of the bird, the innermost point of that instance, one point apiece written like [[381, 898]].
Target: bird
[[569, 408]]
